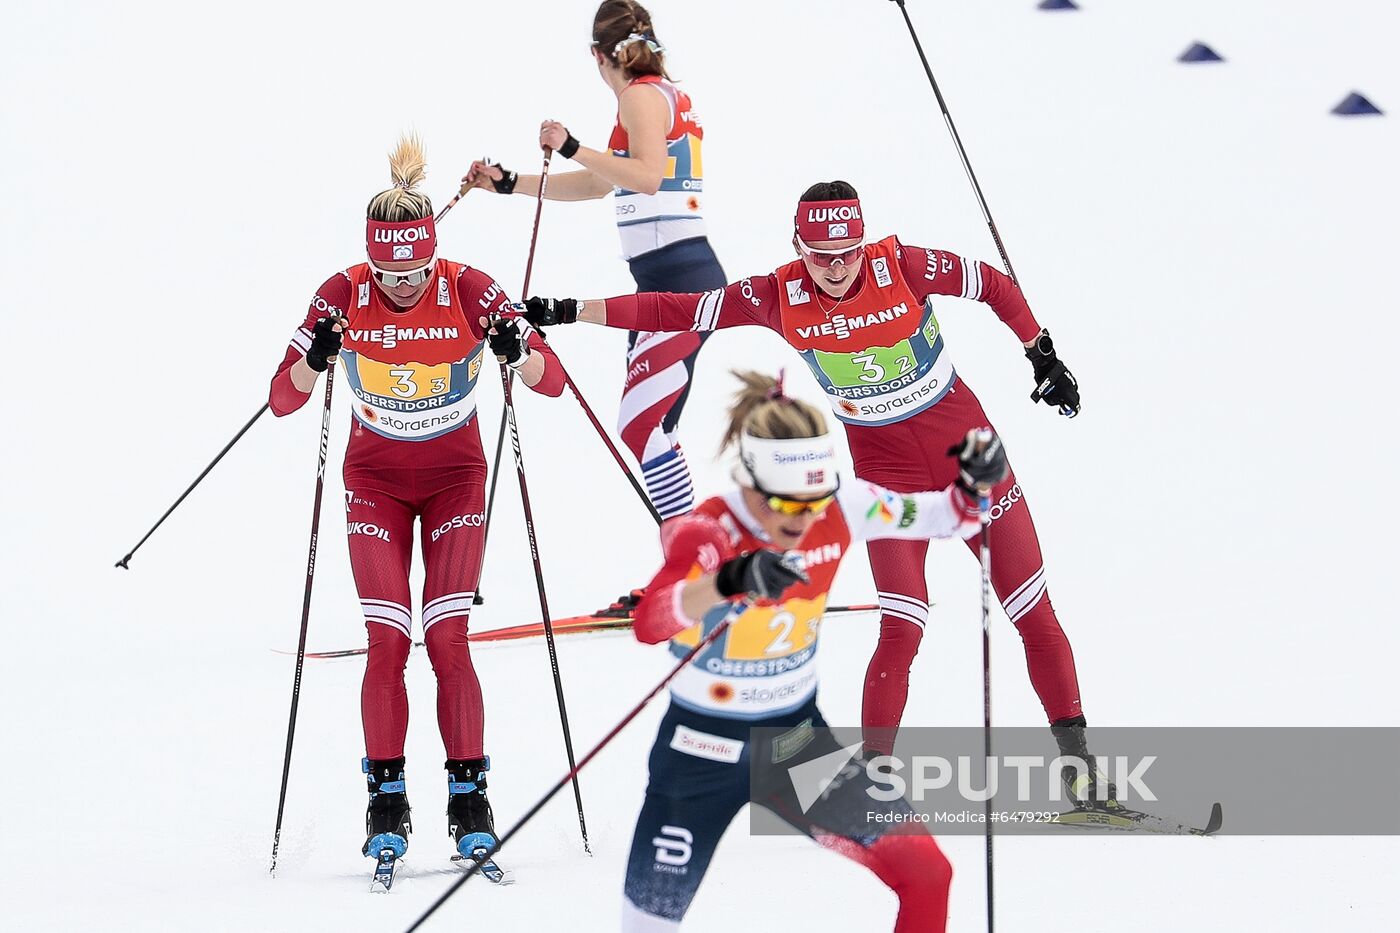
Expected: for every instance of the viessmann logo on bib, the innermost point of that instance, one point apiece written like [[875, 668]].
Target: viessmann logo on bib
[[389, 335], [841, 326]]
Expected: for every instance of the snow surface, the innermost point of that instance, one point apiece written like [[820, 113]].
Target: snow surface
[[1206, 244]]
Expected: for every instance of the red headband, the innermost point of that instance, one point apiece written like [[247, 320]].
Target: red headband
[[829, 220], [406, 241]]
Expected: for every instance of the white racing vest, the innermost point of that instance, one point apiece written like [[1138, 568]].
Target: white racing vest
[[648, 222]]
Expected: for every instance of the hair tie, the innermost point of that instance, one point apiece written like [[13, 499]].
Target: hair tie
[[402, 184], [648, 38], [776, 394]]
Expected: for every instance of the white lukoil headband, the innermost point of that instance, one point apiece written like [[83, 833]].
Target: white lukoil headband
[[797, 467]]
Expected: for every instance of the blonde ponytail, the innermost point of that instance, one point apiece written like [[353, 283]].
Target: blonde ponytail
[[762, 409], [408, 168]]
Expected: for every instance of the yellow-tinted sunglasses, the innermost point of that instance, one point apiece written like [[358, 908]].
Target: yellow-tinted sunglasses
[[798, 506]]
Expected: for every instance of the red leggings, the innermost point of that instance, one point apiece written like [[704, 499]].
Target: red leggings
[[913, 455], [914, 868], [380, 527]]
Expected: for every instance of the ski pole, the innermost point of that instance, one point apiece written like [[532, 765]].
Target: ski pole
[[607, 442], [984, 512], [451, 204], [957, 141], [602, 433], [734, 613], [124, 562], [506, 381], [478, 599], [305, 607]]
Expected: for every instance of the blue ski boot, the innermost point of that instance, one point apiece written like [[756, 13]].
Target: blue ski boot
[[469, 819], [386, 819]]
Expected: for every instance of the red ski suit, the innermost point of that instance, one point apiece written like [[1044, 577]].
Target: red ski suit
[[414, 451], [878, 353]]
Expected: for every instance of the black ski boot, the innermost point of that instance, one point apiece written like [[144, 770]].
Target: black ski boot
[[1088, 788], [469, 820], [386, 819]]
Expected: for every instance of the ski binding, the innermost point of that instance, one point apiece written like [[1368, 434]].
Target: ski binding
[[385, 868], [489, 869]]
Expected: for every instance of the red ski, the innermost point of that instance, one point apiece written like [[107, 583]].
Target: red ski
[[571, 626]]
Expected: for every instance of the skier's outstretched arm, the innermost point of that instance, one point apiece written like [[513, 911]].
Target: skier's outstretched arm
[[748, 301]]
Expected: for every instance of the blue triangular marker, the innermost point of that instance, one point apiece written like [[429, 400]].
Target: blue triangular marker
[[1199, 52], [1356, 105], [1057, 5]]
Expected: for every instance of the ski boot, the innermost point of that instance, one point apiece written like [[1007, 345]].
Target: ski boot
[[1088, 788], [469, 819], [386, 818]]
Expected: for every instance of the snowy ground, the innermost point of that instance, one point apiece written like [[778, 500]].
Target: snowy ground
[[1205, 243]]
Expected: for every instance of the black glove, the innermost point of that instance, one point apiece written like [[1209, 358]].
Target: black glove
[[762, 574], [508, 341], [325, 343], [508, 178], [546, 312], [1054, 383], [981, 461]]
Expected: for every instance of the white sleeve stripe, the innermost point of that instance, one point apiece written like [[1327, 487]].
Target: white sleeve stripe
[[976, 280], [301, 340], [707, 311]]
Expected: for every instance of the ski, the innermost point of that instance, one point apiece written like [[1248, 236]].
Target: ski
[[574, 625], [384, 870], [1126, 820], [488, 870]]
